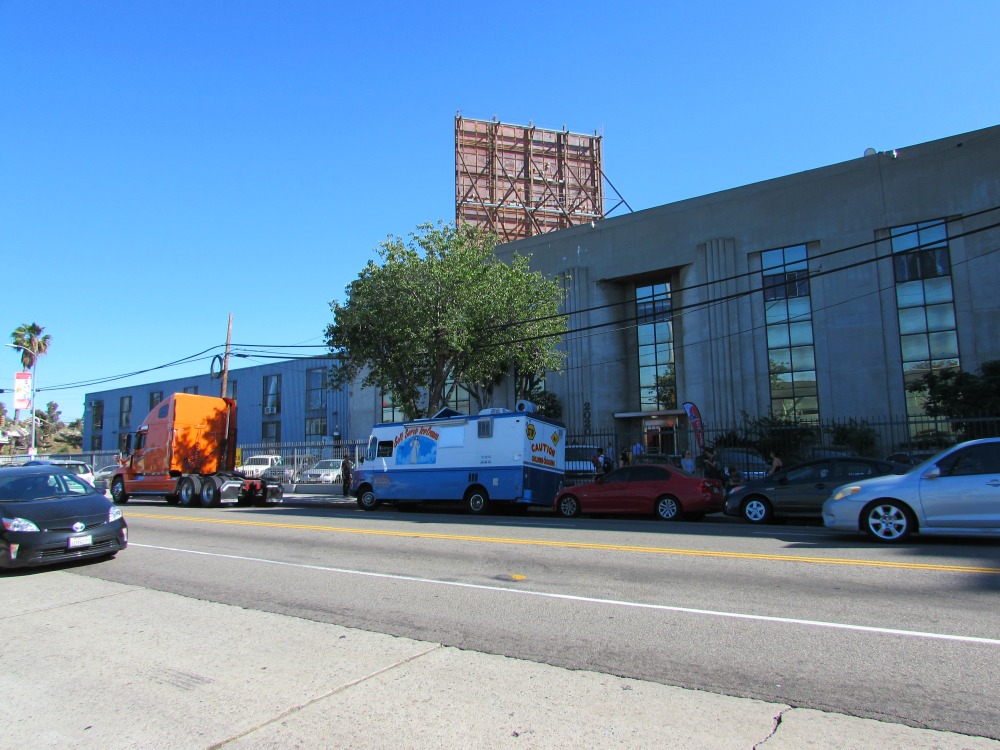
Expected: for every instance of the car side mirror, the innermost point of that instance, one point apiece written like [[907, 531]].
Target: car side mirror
[[933, 472]]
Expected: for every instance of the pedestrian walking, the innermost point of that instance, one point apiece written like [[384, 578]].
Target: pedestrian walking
[[347, 474]]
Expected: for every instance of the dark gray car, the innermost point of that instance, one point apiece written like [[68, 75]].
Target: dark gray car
[[799, 491]]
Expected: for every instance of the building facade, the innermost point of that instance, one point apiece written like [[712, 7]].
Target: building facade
[[286, 401], [819, 295]]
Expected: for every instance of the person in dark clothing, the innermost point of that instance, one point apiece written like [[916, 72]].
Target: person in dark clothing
[[711, 465], [347, 474]]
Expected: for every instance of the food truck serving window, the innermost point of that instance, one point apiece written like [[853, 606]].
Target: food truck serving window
[[384, 449]]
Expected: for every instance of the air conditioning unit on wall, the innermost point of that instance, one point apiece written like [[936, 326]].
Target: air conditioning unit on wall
[[270, 410]]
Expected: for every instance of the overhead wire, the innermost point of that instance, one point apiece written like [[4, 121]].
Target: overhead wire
[[267, 351]]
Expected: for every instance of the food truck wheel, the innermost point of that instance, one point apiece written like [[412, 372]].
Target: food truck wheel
[[477, 501], [367, 499]]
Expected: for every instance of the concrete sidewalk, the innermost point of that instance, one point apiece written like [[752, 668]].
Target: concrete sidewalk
[[94, 664]]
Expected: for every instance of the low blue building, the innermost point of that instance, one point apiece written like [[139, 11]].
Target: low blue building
[[287, 401]]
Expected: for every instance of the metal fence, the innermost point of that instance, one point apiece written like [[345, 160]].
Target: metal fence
[[875, 437], [294, 454]]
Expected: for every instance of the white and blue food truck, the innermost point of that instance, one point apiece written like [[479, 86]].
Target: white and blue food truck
[[496, 457]]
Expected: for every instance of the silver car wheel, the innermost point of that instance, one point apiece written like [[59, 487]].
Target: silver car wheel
[[757, 510], [888, 522], [668, 509], [569, 506]]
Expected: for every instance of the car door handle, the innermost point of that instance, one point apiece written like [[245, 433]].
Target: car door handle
[[994, 483]]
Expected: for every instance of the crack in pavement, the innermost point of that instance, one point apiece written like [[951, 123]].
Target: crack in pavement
[[339, 689], [776, 722]]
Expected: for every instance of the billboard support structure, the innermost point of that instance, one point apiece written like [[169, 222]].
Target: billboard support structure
[[522, 181]]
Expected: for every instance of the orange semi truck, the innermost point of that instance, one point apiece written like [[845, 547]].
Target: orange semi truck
[[185, 451]]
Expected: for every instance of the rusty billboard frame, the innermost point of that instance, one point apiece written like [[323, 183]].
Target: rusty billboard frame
[[521, 181]]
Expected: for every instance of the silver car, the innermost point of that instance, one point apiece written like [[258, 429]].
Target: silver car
[[956, 492], [327, 470]]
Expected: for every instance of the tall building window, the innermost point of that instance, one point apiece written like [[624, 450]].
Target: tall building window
[[391, 412], [791, 356], [96, 442], [271, 432], [154, 398], [98, 415], [271, 403], [315, 428], [316, 388], [231, 389], [193, 389], [928, 337], [460, 399], [125, 413], [655, 332]]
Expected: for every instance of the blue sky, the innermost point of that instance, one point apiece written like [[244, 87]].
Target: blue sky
[[166, 163]]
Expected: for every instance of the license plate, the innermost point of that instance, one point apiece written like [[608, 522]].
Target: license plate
[[81, 541]]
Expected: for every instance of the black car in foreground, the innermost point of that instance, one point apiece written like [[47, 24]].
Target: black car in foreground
[[50, 515], [800, 491]]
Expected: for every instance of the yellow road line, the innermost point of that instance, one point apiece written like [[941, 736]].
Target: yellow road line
[[584, 545]]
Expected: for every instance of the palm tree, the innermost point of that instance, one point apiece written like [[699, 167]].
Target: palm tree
[[32, 345], [31, 342]]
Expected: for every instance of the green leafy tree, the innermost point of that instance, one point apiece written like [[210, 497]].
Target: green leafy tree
[[547, 404], [31, 343], [973, 400], [441, 311], [854, 434], [49, 423], [69, 438], [531, 387]]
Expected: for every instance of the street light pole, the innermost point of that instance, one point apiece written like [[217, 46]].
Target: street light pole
[[34, 363]]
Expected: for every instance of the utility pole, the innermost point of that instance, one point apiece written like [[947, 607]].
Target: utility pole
[[225, 359]]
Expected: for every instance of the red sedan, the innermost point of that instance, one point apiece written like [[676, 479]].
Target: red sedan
[[664, 491]]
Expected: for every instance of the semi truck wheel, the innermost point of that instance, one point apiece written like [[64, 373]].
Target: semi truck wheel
[[209, 495], [186, 492], [118, 493]]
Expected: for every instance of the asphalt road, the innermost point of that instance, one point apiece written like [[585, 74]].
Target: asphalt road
[[790, 614]]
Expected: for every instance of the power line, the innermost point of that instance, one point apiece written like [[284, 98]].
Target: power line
[[749, 274], [622, 324]]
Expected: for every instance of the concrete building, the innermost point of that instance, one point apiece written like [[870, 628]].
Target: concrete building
[[818, 295]]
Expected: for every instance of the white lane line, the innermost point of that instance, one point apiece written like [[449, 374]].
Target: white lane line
[[594, 600]]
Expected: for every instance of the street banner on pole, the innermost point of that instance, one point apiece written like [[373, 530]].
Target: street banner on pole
[[22, 390], [694, 418]]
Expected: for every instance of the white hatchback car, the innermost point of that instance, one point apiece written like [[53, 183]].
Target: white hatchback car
[[956, 492]]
